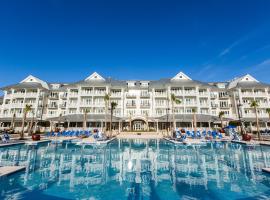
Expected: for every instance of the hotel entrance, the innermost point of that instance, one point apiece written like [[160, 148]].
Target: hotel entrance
[[138, 125]]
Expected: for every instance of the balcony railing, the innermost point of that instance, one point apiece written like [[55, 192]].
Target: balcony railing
[[52, 106], [131, 95], [131, 105], [157, 94], [145, 105], [145, 95]]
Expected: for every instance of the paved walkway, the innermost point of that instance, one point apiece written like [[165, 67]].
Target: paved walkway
[[141, 135], [266, 170], [7, 170]]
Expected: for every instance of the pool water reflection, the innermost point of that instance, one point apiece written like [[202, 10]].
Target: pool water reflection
[[137, 169]]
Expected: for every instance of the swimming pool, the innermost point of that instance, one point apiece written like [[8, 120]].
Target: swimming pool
[[137, 169]]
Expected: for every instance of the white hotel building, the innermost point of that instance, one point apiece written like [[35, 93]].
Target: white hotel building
[[138, 102]]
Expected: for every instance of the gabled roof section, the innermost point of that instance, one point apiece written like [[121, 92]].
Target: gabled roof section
[[33, 79], [244, 79], [95, 77], [181, 76]]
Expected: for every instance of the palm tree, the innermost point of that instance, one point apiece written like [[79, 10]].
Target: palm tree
[[174, 100], [107, 100], [220, 115], [130, 117], [27, 109], [147, 123], [59, 121], [113, 106], [85, 112], [13, 121], [194, 119], [31, 124], [268, 112], [254, 104]]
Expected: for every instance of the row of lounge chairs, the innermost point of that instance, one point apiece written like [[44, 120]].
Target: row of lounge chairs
[[198, 134], [265, 132], [97, 135], [69, 134], [5, 138]]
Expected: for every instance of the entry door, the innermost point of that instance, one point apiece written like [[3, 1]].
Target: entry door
[[138, 126]]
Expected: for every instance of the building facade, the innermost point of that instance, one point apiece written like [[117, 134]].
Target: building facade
[[141, 105]]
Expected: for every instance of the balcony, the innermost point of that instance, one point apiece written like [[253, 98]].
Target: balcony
[[204, 104], [99, 104], [98, 93], [72, 105], [130, 105], [225, 106], [145, 95], [63, 105], [161, 105], [53, 96], [63, 96], [145, 105], [205, 94], [86, 93], [73, 94], [52, 106], [31, 95], [18, 95], [214, 105], [190, 93], [157, 94], [130, 95], [116, 94], [213, 96]]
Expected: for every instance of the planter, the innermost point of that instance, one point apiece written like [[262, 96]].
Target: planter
[[246, 137], [36, 137]]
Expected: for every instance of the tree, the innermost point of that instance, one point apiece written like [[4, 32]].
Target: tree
[[13, 121], [113, 106], [130, 124], [268, 112], [174, 100], [194, 119], [31, 124], [221, 115], [254, 104], [147, 122], [27, 109], [85, 112], [106, 100]]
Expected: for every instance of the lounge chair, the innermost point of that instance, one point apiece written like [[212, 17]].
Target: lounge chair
[[199, 134]]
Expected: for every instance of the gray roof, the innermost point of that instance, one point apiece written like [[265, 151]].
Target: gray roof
[[252, 84], [162, 83], [79, 118], [24, 86], [254, 119], [189, 118]]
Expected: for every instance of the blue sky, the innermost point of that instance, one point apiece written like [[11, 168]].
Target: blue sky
[[65, 41]]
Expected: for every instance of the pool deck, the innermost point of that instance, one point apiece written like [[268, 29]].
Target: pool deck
[[253, 142], [267, 170], [143, 135], [7, 170]]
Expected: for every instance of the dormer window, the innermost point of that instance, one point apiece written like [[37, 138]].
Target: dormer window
[[180, 77]]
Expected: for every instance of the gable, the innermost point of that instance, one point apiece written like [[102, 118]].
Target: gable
[[33, 79], [95, 77], [248, 78], [181, 76]]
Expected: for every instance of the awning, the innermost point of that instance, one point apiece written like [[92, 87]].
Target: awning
[[80, 118], [189, 118]]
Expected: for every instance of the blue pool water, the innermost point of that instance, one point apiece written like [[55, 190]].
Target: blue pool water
[[136, 169]]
